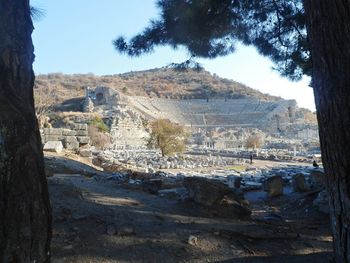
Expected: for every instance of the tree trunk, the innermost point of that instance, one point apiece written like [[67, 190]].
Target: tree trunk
[[329, 35], [25, 214]]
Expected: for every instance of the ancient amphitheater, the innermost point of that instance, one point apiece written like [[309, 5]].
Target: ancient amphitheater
[[217, 112], [126, 115]]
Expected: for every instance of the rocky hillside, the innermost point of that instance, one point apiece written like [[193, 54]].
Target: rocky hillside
[[162, 83]]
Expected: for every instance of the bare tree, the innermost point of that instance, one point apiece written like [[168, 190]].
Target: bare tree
[[254, 141], [44, 99]]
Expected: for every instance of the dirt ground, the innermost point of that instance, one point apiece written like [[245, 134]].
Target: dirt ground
[[107, 222]]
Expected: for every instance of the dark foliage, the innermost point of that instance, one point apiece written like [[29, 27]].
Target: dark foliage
[[211, 28]]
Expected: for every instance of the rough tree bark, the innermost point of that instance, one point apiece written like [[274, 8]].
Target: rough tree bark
[[25, 214], [329, 34]]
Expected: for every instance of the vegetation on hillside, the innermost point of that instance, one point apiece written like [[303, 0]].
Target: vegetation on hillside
[[99, 133], [163, 83], [99, 124]]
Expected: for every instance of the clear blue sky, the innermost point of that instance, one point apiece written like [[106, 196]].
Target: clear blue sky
[[75, 36]]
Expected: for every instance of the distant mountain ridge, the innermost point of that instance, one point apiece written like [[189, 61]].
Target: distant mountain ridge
[[159, 82]]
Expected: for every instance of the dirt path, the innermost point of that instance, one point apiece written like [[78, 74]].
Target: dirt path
[[105, 222]]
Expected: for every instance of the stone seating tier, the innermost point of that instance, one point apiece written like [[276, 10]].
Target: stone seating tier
[[200, 112]]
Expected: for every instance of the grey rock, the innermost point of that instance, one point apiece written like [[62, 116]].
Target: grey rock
[[52, 131], [79, 126], [68, 132], [274, 186], [53, 138], [299, 183], [206, 192], [53, 146], [70, 139], [71, 145], [83, 139], [85, 152], [218, 197], [82, 133]]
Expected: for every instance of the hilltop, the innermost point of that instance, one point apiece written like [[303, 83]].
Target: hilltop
[[154, 83]]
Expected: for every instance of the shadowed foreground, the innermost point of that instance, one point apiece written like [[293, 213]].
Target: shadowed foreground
[[105, 222]]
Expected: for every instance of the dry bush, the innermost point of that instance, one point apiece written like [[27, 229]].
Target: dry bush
[[99, 139], [44, 100], [255, 141], [310, 117]]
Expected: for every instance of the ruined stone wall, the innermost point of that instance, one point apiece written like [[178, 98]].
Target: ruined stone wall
[[72, 139]]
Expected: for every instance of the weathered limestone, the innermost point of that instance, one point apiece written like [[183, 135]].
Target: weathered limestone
[[80, 126], [274, 186], [83, 139], [299, 183], [82, 133], [71, 143], [52, 131], [88, 105], [85, 152], [216, 196], [218, 112], [70, 139], [53, 146], [53, 138], [68, 132]]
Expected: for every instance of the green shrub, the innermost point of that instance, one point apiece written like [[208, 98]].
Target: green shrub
[[99, 124]]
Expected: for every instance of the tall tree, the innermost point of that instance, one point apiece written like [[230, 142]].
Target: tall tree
[[25, 214], [309, 37], [166, 136], [329, 34]]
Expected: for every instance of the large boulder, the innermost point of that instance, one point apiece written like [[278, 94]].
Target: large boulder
[[299, 183], [230, 208], [217, 197], [74, 145], [53, 146], [317, 179], [274, 186], [207, 192]]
